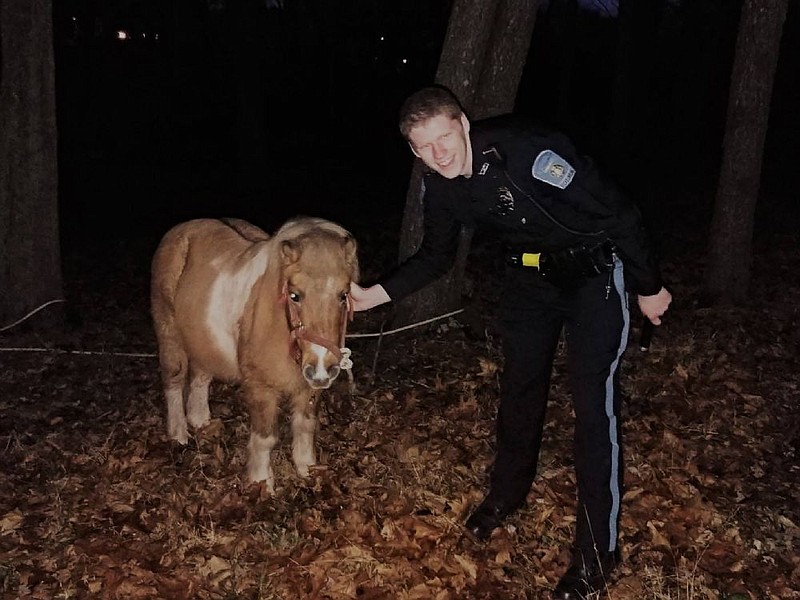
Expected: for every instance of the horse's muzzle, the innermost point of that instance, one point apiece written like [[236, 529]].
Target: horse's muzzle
[[320, 378]]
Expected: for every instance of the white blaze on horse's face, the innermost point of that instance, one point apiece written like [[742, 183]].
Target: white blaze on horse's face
[[322, 308], [317, 375]]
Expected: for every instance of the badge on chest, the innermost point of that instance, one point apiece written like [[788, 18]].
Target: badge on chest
[[504, 202]]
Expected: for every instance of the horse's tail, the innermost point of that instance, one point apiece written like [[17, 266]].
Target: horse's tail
[[247, 230], [167, 266]]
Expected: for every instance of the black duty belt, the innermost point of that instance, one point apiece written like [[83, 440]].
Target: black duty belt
[[567, 266]]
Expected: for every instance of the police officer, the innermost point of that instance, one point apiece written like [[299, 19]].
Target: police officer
[[575, 246]]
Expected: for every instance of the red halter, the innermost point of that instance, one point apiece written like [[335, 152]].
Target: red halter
[[298, 331]]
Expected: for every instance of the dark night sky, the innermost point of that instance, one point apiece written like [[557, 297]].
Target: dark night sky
[[151, 128]]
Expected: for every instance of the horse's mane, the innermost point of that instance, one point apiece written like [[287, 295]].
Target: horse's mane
[[299, 226]]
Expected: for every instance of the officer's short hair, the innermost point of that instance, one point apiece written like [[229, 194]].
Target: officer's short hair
[[425, 104]]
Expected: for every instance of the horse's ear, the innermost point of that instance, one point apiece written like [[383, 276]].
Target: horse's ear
[[351, 256], [290, 252]]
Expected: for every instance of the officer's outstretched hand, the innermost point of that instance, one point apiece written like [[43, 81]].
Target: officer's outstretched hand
[[366, 298], [653, 307]]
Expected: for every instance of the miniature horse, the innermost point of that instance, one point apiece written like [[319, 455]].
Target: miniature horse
[[231, 303]]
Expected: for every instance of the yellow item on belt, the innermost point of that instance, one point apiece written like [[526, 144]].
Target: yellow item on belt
[[530, 260]]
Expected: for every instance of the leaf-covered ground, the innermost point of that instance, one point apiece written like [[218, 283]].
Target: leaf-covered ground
[[96, 503]]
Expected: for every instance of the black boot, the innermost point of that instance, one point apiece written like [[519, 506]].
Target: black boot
[[588, 573], [489, 516]]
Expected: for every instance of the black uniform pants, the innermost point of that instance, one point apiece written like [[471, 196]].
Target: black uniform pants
[[595, 321]]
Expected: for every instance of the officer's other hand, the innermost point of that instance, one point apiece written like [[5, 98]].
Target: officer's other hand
[[366, 298], [653, 307]]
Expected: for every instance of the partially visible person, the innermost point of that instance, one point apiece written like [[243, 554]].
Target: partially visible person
[[575, 246]]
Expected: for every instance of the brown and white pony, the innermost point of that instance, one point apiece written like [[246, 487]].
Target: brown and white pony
[[231, 303]]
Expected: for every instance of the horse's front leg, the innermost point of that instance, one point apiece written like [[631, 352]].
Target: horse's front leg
[[304, 425], [176, 416], [197, 411], [262, 403]]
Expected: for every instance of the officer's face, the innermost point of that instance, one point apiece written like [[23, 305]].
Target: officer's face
[[443, 144]]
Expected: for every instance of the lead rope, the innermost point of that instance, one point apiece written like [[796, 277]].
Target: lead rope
[[346, 363]]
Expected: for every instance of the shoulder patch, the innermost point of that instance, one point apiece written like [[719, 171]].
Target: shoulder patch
[[551, 168]]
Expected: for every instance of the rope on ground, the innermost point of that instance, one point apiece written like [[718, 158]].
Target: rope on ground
[[84, 352], [379, 334], [30, 314], [411, 326]]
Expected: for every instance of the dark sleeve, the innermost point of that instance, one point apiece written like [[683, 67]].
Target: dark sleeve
[[625, 228], [438, 249], [619, 217]]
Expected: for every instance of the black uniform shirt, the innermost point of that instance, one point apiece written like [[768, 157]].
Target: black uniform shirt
[[514, 167]]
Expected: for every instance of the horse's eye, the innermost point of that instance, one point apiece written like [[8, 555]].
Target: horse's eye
[[294, 296], [343, 297]]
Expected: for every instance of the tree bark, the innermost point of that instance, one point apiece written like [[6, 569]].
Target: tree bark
[[482, 59], [30, 259], [505, 59], [728, 271]]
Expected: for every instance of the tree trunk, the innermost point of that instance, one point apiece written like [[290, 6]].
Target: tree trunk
[[505, 59], [30, 261], [482, 59], [728, 271]]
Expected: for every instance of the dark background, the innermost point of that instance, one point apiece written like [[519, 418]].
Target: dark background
[[240, 110], [264, 110]]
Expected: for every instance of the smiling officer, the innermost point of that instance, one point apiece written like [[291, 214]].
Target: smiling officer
[[574, 246]]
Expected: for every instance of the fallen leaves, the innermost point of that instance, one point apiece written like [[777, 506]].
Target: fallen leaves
[[11, 521], [97, 504]]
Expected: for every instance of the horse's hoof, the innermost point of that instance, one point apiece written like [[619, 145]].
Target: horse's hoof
[[199, 422], [257, 491], [259, 478], [181, 437]]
